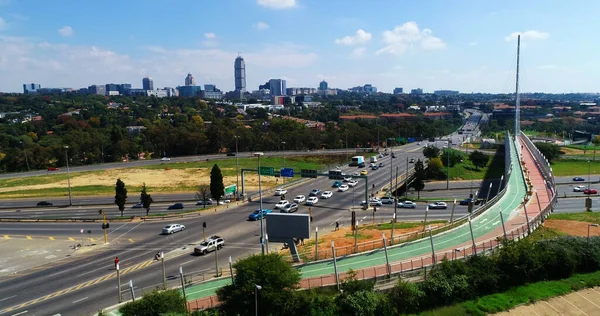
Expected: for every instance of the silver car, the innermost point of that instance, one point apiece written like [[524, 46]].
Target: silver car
[[172, 228]]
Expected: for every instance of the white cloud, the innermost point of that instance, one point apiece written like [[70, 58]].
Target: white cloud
[[527, 35], [359, 51], [210, 35], [409, 36], [360, 37], [473, 43], [3, 25], [261, 26], [277, 4], [66, 31]]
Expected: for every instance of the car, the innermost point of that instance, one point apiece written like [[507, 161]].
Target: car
[[205, 202], [327, 194], [467, 201], [223, 202], [281, 204], [289, 208], [346, 179], [380, 155], [380, 164], [361, 165], [176, 206], [419, 143], [280, 191], [300, 199], [312, 200], [258, 214], [372, 202], [412, 160], [438, 205], [352, 183], [138, 205], [52, 169], [172, 228], [387, 199], [371, 165], [374, 168], [336, 184], [393, 155], [364, 172], [211, 244], [407, 204], [578, 179], [231, 154], [314, 192], [165, 159], [579, 188], [44, 203], [590, 191], [356, 174], [343, 187]]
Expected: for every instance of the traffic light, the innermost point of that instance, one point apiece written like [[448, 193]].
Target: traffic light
[[203, 224], [105, 226]]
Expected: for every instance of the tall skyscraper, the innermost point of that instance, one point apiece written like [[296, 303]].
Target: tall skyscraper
[[190, 80], [323, 85], [277, 87], [240, 74], [147, 83]]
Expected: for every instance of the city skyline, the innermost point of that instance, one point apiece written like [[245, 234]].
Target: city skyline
[[466, 46]]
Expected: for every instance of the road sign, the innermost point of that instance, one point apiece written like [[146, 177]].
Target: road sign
[[307, 173], [230, 189], [287, 172], [335, 174], [267, 171]]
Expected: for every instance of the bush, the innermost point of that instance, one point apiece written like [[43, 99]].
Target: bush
[[352, 285], [156, 303], [362, 303], [406, 297]]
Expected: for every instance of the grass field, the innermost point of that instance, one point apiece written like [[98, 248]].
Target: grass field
[[542, 233], [589, 217], [572, 167], [466, 170], [517, 296]]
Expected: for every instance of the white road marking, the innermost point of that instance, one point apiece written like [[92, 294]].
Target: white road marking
[[21, 313], [6, 298], [86, 273], [187, 262], [79, 300]]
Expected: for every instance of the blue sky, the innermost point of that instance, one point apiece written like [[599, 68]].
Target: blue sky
[[460, 45]]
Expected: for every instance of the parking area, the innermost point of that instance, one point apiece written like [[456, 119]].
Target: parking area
[[584, 302]]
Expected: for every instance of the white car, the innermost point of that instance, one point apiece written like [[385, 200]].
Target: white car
[[407, 204], [172, 228], [165, 159], [355, 174], [326, 195], [281, 204], [212, 243], [372, 202], [279, 192], [300, 199], [352, 183], [579, 188], [387, 200], [343, 187], [312, 200], [437, 205], [346, 179]]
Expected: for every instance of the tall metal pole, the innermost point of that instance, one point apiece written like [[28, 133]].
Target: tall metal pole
[[472, 236], [395, 197], [68, 175], [119, 283], [518, 98], [337, 277], [283, 153], [262, 231], [391, 168], [488, 194], [164, 270], [503, 226], [526, 218], [217, 262], [182, 283], [392, 236], [425, 220], [452, 214], [432, 248], [500, 184], [387, 259], [406, 180], [448, 166], [316, 243], [237, 172], [231, 270]]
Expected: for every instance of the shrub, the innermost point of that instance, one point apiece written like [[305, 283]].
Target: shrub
[[156, 303], [406, 298]]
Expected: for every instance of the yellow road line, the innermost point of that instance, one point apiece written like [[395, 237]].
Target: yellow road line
[[6, 237], [92, 239], [71, 239], [130, 240], [51, 238], [29, 237]]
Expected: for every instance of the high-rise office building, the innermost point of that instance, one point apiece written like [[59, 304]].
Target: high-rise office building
[[240, 74], [190, 80], [398, 90], [147, 83], [31, 88], [97, 89], [323, 85], [276, 86]]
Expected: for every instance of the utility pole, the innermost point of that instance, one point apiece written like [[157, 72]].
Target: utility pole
[[237, 168], [68, 175]]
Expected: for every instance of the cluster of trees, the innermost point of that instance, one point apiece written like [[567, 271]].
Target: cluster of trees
[[93, 129], [549, 150], [450, 282]]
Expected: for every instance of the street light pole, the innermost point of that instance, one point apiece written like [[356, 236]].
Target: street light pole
[[391, 164], [471, 170], [237, 172], [448, 166], [283, 153], [68, 175], [262, 231], [590, 225], [256, 288]]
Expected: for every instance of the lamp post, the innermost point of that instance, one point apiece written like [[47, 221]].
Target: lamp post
[[590, 225], [237, 172], [589, 175], [68, 174], [262, 231], [256, 289], [283, 153], [391, 164], [471, 170]]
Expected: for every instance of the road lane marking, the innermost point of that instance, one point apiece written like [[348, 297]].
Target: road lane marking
[[79, 300], [29, 237], [6, 298], [130, 240], [51, 238], [21, 313], [187, 262], [6, 237], [71, 239]]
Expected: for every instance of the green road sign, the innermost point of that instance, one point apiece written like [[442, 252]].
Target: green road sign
[[230, 189], [307, 173], [267, 171]]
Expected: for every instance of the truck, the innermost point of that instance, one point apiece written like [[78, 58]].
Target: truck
[[373, 159], [357, 160], [211, 244]]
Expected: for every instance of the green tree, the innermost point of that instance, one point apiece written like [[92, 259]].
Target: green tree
[[451, 156], [550, 151], [146, 199], [434, 168], [418, 183], [277, 278], [120, 195], [203, 193], [431, 152], [406, 297], [479, 159], [217, 188], [358, 303], [156, 303]]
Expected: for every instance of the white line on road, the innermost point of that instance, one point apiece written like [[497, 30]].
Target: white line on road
[[6, 298], [364, 217], [79, 300], [125, 233], [21, 313], [187, 262], [333, 223], [86, 272]]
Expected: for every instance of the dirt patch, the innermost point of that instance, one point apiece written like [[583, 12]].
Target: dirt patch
[[155, 179], [573, 228], [572, 151]]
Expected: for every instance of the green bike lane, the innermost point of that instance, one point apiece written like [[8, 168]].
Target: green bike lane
[[483, 224]]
